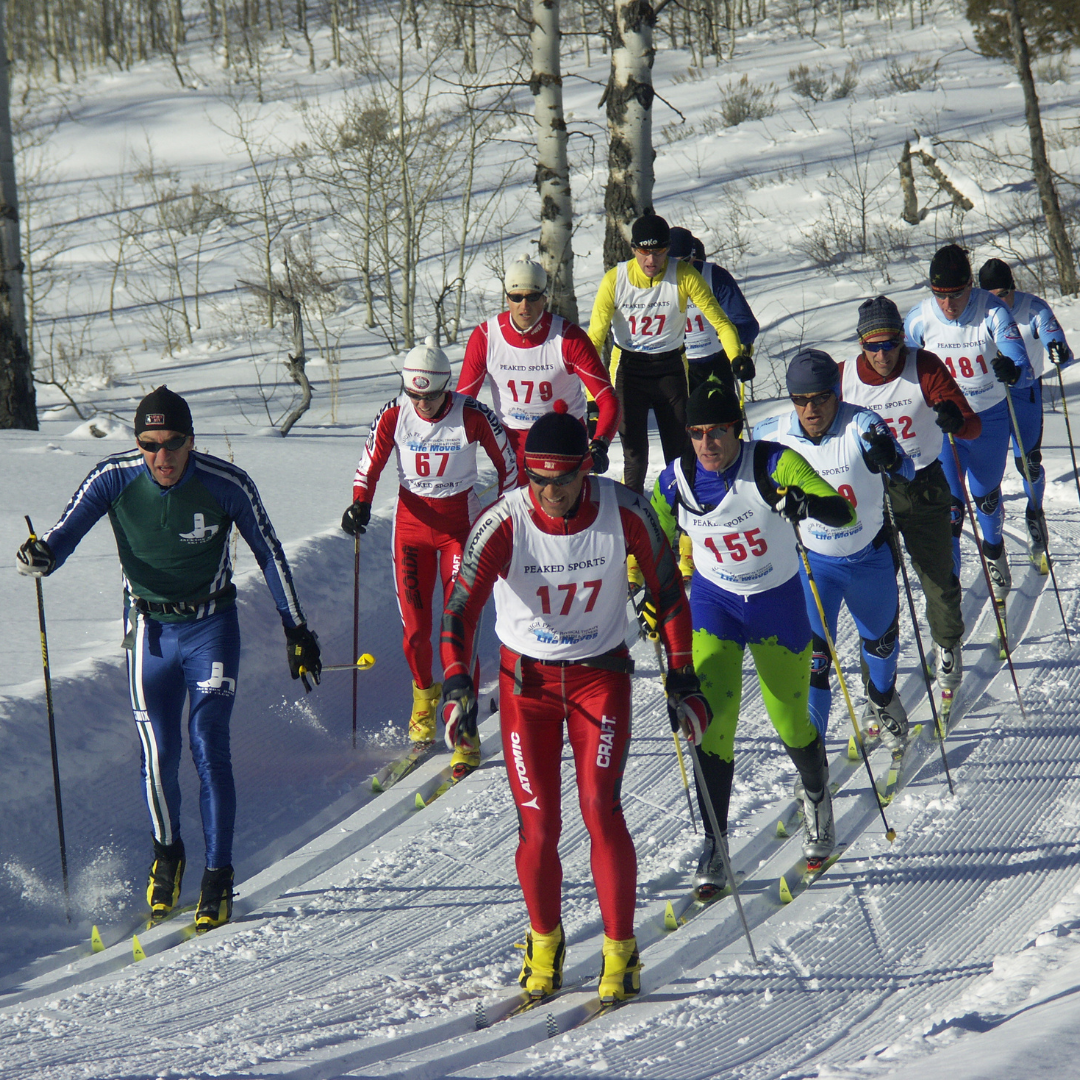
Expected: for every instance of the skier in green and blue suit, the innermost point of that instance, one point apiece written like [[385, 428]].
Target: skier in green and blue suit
[[172, 511], [745, 592]]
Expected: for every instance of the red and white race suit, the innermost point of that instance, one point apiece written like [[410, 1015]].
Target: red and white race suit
[[560, 595], [436, 503]]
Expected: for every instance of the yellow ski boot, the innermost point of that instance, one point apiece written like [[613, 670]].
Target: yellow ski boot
[[425, 706], [633, 574], [621, 976], [466, 756], [541, 970]]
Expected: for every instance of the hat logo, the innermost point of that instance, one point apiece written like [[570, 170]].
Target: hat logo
[[155, 418], [421, 382]]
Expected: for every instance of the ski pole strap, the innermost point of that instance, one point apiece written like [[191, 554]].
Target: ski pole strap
[[618, 661], [179, 607]]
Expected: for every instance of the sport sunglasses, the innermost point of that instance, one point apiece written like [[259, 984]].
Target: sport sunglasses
[[519, 298], [169, 444], [557, 481], [882, 346], [713, 432], [802, 401]]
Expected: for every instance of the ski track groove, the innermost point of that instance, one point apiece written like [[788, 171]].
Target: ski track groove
[[368, 972]]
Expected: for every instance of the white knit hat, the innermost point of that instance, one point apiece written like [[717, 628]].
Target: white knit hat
[[426, 369], [525, 275]]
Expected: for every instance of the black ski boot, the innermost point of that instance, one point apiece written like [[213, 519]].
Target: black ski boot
[[215, 899], [166, 876]]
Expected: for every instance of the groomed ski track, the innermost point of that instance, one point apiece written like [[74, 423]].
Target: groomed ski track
[[367, 951]]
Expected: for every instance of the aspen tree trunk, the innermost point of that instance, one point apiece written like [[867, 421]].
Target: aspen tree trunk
[[552, 167], [629, 98], [1057, 234], [18, 408]]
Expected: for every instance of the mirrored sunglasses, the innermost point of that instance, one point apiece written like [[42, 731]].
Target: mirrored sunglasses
[[556, 481], [433, 395], [169, 444], [801, 401], [883, 346], [714, 431]]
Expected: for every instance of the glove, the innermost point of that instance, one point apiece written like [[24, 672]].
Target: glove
[[949, 417], [458, 708], [1058, 352], [35, 559], [304, 654], [598, 449], [592, 416], [645, 610], [742, 367], [354, 520], [880, 453], [686, 704], [1005, 370], [795, 507]]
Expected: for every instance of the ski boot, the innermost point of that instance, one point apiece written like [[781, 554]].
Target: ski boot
[[819, 830], [948, 666], [541, 970], [889, 717], [166, 874], [711, 878], [215, 899], [620, 977], [1000, 574], [1036, 524], [466, 756], [425, 705]]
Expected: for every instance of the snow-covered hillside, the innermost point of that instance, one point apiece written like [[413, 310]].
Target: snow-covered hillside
[[370, 936]]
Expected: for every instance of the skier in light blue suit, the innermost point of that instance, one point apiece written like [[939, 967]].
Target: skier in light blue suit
[[977, 338], [1043, 337], [850, 447]]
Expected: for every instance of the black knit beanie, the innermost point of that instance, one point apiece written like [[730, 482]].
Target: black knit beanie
[[996, 274], [557, 440], [950, 270], [650, 232], [162, 410], [712, 403]]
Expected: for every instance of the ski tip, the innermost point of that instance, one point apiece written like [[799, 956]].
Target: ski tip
[[781, 831], [420, 803], [669, 917], [852, 749], [96, 944], [785, 892], [376, 787], [136, 948]]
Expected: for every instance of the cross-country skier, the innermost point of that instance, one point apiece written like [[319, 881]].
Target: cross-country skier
[[913, 392], [850, 447], [532, 358], [643, 303], [705, 355], [1043, 337], [746, 594], [434, 433], [172, 510], [976, 336], [554, 553]]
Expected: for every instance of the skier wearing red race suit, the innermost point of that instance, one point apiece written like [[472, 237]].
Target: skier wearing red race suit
[[554, 554], [533, 358], [434, 433]]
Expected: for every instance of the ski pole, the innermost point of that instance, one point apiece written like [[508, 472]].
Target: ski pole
[[1068, 429], [890, 832], [52, 731], [938, 724], [721, 844], [1042, 515], [654, 637], [363, 662], [986, 576], [355, 625]]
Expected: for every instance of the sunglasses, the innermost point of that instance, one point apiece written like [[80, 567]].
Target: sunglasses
[[802, 401], [434, 395], [713, 432], [521, 298], [555, 481], [882, 346], [169, 444]]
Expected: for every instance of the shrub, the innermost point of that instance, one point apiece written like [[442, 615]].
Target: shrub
[[744, 101], [819, 83], [913, 75]]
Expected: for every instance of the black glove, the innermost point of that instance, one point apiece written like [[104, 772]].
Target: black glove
[[742, 367], [35, 559], [687, 707], [459, 706], [881, 453], [592, 416], [1005, 371], [795, 507], [1058, 352], [598, 449], [354, 520], [949, 417], [303, 651]]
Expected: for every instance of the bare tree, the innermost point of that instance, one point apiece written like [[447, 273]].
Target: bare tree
[[629, 98], [18, 408], [552, 167]]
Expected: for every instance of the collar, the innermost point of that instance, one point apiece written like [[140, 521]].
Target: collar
[[869, 376], [525, 339]]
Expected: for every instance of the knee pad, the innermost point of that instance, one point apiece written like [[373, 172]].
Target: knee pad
[[956, 518], [883, 646], [820, 662], [1034, 463], [987, 504]]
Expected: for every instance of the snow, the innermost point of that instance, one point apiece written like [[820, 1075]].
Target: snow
[[367, 932]]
